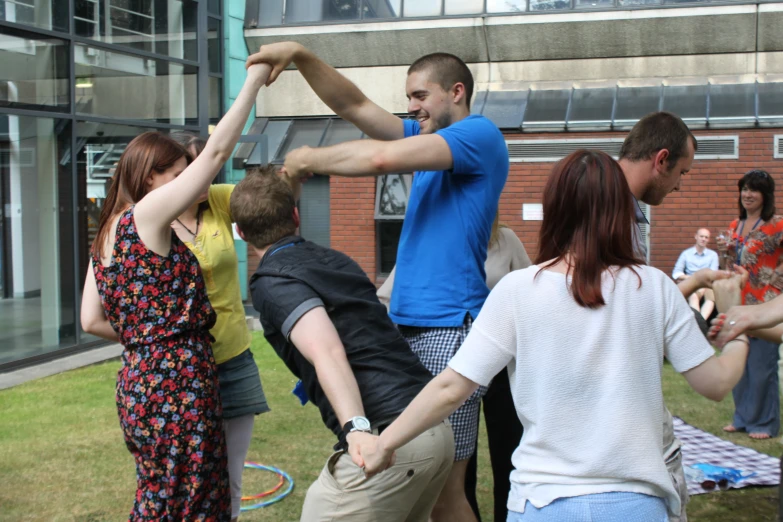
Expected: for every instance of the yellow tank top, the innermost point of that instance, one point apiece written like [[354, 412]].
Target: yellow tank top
[[214, 248]]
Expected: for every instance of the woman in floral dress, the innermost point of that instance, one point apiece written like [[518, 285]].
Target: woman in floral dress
[[145, 290], [757, 245]]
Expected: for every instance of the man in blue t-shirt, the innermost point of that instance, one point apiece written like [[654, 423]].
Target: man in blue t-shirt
[[461, 165]]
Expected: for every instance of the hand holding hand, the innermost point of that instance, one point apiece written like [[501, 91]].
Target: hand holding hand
[[259, 72], [376, 458], [726, 327], [277, 55], [358, 442], [295, 163], [728, 292]]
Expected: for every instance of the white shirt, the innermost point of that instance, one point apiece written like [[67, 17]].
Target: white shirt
[[586, 383]]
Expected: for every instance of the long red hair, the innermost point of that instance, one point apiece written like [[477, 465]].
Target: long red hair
[[588, 220], [147, 154]]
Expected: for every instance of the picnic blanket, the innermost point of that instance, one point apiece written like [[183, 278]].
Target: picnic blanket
[[701, 447]]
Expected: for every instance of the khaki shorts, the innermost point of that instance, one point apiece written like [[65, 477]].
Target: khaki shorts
[[406, 492]]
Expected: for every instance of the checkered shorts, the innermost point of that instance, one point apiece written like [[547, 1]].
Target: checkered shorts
[[435, 348]]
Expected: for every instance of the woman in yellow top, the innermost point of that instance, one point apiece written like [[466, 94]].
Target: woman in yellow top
[[206, 230]]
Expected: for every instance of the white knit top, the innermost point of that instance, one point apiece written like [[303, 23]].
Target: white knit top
[[586, 383]]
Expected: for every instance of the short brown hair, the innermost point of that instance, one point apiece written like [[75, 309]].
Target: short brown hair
[[446, 70], [262, 206], [655, 132]]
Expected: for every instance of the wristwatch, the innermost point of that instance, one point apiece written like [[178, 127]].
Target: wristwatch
[[357, 424]]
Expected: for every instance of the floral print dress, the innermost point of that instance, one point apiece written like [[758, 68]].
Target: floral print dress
[[167, 392], [760, 253]]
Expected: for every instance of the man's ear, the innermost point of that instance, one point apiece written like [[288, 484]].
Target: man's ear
[[458, 92], [296, 217], [239, 232], [661, 160]]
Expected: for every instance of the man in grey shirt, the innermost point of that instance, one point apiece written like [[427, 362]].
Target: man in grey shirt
[[657, 152]]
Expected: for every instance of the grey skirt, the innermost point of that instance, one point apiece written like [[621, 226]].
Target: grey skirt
[[240, 387]]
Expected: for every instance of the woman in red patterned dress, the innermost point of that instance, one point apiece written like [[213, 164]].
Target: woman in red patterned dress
[[145, 290], [757, 245]]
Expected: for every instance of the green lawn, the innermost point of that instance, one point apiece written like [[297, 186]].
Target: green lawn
[[62, 457]]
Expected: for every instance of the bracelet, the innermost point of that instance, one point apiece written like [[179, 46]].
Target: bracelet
[[746, 341]]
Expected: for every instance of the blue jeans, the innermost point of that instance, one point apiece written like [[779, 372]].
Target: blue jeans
[[601, 507]]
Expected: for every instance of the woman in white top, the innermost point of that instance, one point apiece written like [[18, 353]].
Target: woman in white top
[[583, 334]]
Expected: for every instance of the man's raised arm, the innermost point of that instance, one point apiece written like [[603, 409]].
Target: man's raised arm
[[334, 89]]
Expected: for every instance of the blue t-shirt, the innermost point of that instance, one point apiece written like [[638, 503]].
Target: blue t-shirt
[[443, 245]]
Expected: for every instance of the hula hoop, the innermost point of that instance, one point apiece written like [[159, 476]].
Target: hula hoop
[[283, 478]]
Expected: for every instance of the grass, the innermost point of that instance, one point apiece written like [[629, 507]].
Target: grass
[[62, 457]]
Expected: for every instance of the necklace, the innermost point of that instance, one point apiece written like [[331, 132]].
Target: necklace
[[741, 245], [198, 219]]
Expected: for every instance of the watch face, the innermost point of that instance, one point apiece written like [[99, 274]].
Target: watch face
[[360, 423]]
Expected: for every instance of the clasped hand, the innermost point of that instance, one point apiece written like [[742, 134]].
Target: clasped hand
[[368, 453]]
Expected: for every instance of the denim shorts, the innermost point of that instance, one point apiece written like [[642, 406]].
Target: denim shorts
[[601, 507], [240, 387]]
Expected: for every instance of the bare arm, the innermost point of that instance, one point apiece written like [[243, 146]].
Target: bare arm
[[371, 157], [704, 278], [93, 317], [717, 376], [334, 89], [439, 399], [155, 212], [317, 340]]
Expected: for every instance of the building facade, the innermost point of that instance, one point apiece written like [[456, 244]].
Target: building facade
[[78, 80], [554, 76]]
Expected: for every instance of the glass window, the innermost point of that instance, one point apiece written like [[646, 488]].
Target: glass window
[[505, 108], [215, 99], [635, 102], [35, 73], [297, 11], [546, 109], [391, 195], [423, 7], [771, 103], [460, 7], [689, 102], [44, 14], [340, 131], [275, 132], [639, 2], [506, 6], [270, 13], [586, 4], [100, 147], [389, 233], [381, 8], [37, 286], [591, 108], [549, 5], [118, 85], [157, 26], [477, 103], [314, 211], [213, 7], [214, 47], [302, 133], [733, 103]]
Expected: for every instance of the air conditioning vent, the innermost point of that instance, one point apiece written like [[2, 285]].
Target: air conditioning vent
[[778, 146], [717, 147], [543, 151], [554, 150]]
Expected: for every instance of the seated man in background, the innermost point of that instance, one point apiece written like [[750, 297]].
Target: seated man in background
[[691, 261], [320, 313]]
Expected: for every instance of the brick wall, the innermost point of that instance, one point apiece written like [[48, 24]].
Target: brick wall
[[708, 198]]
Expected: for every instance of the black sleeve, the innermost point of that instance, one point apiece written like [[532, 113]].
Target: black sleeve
[[282, 301]]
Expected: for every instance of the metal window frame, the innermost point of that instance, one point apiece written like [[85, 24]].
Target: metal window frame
[[252, 11], [70, 115], [381, 217]]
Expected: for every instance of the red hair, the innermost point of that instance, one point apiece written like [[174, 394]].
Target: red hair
[[147, 154], [588, 221]]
